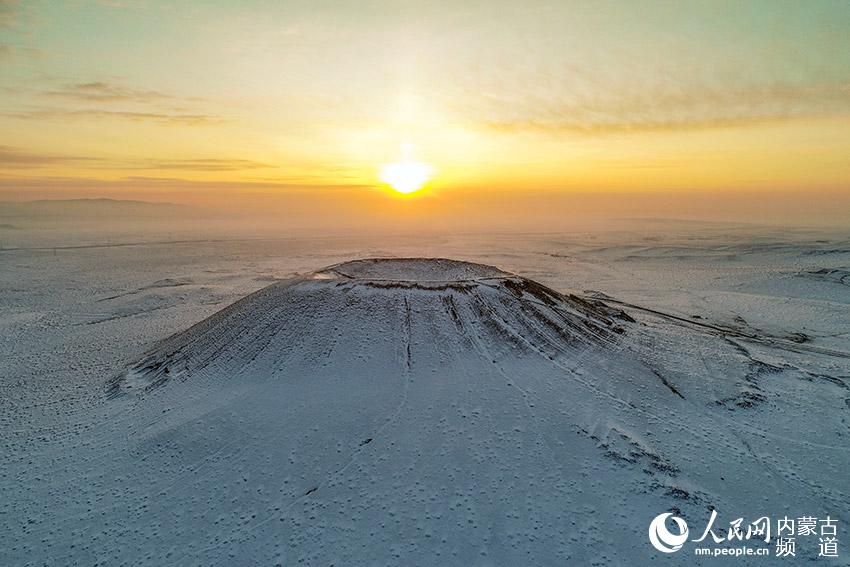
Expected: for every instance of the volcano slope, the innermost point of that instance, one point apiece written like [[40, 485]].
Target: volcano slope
[[423, 412]]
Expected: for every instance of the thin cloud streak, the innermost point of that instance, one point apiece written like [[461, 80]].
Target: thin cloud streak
[[15, 158], [9, 11], [176, 118], [653, 109], [99, 91], [109, 100], [206, 164], [61, 184]]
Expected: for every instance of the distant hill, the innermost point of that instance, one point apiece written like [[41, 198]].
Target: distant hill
[[88, 208]]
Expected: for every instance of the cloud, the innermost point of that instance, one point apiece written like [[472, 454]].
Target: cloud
[[650, 107], [106, 100], [16, 158], [178, 118], [9, 52], [627, 126], [206, 164], [99, 91], [64, 183], [13, 158], [114, 3], [670, 111], [9, 13]]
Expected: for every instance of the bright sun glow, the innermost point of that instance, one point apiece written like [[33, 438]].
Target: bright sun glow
[[406, 176]]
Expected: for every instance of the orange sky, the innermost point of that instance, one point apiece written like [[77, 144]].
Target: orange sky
[[543, 108]]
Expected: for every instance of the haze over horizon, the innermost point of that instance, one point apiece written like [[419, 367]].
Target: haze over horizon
[[527, 113]]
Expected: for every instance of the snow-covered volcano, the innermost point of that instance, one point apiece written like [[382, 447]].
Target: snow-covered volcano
[[435, 412], [379, 310]]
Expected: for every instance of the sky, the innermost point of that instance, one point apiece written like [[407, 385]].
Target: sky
[[518, 108]]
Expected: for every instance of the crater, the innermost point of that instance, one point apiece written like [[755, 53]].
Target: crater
[[422, 270]]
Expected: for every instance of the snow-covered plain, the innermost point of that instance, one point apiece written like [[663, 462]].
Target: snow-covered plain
[[346, 417]]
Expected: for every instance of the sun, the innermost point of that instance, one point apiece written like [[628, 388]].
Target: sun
[[406, 176]]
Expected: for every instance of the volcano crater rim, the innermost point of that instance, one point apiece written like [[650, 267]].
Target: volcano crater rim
[[413, 270]]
